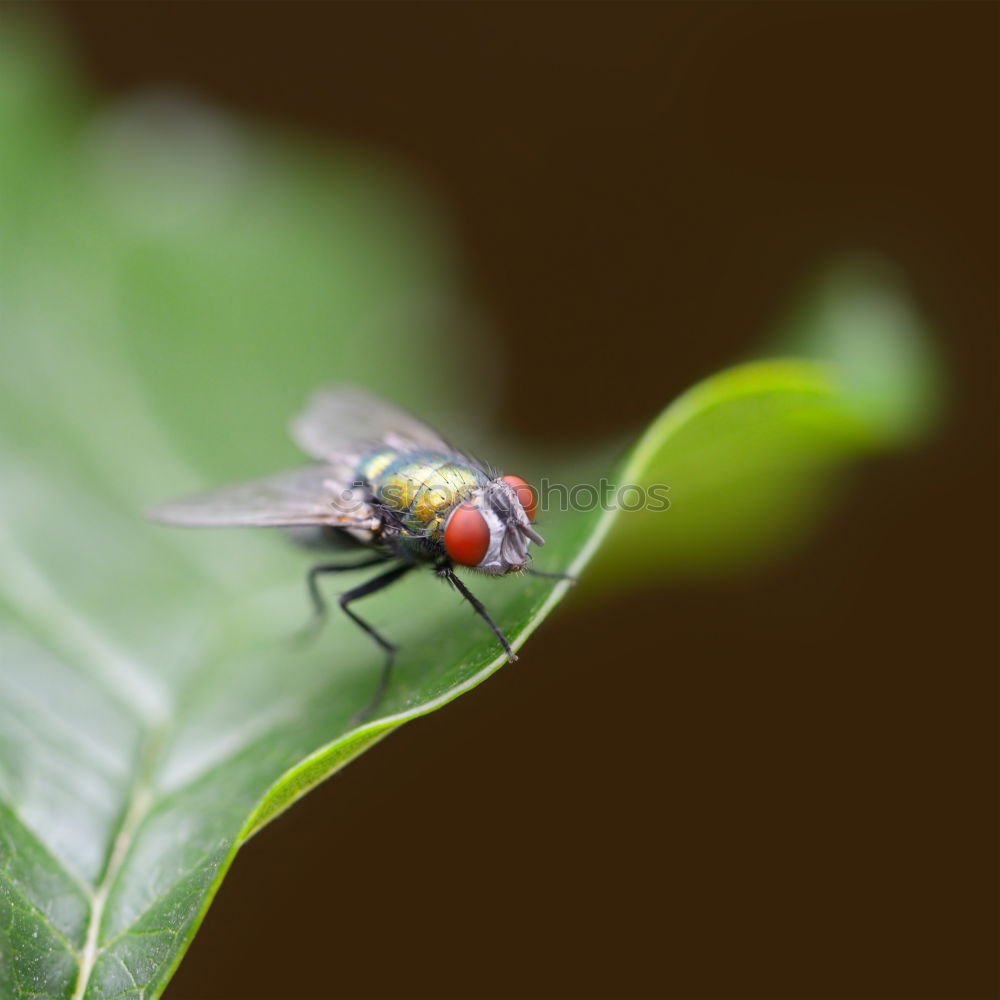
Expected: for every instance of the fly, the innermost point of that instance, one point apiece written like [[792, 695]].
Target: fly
[[386, 480]]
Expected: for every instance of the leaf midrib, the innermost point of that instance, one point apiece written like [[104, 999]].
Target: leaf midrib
[[137, 805]]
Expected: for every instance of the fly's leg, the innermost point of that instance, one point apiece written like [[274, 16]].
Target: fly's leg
[[320, 607], [551, 576], [380, 582], [448, 574]]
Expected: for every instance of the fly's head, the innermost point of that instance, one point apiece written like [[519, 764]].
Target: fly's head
[[491, 530]]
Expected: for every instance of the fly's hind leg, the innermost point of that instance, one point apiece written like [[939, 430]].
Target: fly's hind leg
[[380, 582]]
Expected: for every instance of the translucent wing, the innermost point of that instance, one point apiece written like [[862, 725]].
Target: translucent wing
[[341, 423], [314, 494]]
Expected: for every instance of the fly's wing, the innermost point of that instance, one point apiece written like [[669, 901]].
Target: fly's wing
[[341, 423], [310, 495]]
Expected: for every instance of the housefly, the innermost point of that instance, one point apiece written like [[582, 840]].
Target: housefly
[[386, 480]]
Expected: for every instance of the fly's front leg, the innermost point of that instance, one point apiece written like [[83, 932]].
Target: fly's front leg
[[446, 572], [551, 576], [372, 587]]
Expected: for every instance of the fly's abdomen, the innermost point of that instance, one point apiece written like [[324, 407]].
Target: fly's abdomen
[[423, 488]]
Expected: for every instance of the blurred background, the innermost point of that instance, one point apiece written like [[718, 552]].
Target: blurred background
[[632, 192]]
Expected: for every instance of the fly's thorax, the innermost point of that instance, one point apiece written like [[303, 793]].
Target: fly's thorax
[[373, 465], [424, 487]]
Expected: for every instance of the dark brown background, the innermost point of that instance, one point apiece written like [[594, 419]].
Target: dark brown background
[[780, 786]]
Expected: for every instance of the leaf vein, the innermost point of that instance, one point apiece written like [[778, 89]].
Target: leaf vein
[[139, 802]]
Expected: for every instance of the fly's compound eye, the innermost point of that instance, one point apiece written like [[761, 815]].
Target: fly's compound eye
[[467, 536], [525, 494]]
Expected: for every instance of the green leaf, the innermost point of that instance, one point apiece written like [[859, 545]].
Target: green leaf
[[154, 713], [172, 286]]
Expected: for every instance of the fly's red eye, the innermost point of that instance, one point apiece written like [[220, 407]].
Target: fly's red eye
[[467, 536], [525, 494]]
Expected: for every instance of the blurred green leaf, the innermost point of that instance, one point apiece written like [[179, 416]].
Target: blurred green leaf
[[858, 317], [172, 285], [752, 455]]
